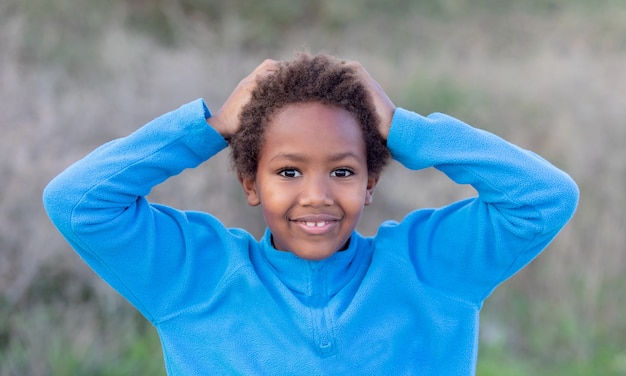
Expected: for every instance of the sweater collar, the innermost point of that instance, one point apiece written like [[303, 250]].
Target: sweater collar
[[313, 279]]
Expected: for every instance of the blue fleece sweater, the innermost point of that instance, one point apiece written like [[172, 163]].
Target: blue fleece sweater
[[404, 302]]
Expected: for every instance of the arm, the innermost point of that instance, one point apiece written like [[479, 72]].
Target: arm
[[473, 245], [150, 253], [523, 202], [98, 204]]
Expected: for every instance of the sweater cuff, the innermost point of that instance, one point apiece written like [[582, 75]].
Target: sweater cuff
[[204, 139], [404, 137]]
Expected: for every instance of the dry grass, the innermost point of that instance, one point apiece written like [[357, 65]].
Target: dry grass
[[550, 80]]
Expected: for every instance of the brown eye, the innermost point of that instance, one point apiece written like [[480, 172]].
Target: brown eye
[[342, 173], [289, 173]]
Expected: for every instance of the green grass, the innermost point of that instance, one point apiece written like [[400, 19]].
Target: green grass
[[49, 340], [427, 94]]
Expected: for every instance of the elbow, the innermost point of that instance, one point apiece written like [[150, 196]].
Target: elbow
[[566, 196], [56, 204], [571, 197]]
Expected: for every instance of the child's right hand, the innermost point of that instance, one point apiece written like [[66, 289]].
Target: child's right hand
[[226, 119]]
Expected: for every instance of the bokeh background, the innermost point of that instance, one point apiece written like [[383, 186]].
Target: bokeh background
[[548, 75]]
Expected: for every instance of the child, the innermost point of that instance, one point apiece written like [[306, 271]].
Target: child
[[309, 139]]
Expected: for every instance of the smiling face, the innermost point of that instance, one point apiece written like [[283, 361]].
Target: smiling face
[[312, 180]]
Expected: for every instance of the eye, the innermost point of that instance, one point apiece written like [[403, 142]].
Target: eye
[[289, 173], [342, 173]]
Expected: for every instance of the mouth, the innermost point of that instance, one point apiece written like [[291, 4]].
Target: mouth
[[316, 225]]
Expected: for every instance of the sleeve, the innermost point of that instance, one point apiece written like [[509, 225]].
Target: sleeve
[[471, 246], [149, 253]]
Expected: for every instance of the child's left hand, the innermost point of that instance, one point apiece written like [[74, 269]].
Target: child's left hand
[[384, 106]]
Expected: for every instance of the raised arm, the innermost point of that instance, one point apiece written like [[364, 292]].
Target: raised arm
[[523, 202], [145, 251], [99, 205], [472, 245]]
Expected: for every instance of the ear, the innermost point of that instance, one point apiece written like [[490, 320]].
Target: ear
[[249, 189], [371, 185]]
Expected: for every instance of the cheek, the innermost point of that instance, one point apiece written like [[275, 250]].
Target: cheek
[[275, 202], [353, 199]]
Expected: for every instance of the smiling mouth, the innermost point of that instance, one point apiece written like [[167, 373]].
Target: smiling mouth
[[315, 224]]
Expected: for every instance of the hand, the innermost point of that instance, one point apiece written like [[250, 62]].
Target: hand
[[226, 119], [383, 105]]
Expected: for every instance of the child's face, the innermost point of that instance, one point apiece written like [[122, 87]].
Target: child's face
[[312, 180]]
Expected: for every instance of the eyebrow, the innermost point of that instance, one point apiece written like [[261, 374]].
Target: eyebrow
[[301, 158]]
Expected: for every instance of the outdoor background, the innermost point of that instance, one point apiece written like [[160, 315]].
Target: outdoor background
[[548, 75]]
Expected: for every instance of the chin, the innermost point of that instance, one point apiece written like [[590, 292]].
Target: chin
[[320, 250]]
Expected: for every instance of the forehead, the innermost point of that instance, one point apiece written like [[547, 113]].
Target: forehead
[[313, 131], [314, 122]]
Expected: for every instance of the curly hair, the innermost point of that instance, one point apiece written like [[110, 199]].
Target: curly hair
[[320, 78]]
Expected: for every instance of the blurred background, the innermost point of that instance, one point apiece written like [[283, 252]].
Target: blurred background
[[545, 74]]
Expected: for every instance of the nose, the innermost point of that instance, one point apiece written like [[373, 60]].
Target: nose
[[316, 192]]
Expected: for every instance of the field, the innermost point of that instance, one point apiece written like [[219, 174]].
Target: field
[[545, 74]]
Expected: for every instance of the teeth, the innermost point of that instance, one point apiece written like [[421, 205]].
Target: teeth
[[315, 224]]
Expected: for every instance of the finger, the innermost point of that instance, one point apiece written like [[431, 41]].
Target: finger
[[267, 66]]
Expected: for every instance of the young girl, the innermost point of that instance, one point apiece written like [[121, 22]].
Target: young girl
[[309, 139]]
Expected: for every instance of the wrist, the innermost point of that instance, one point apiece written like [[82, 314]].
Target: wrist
[[219, 125], [385, 120]]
